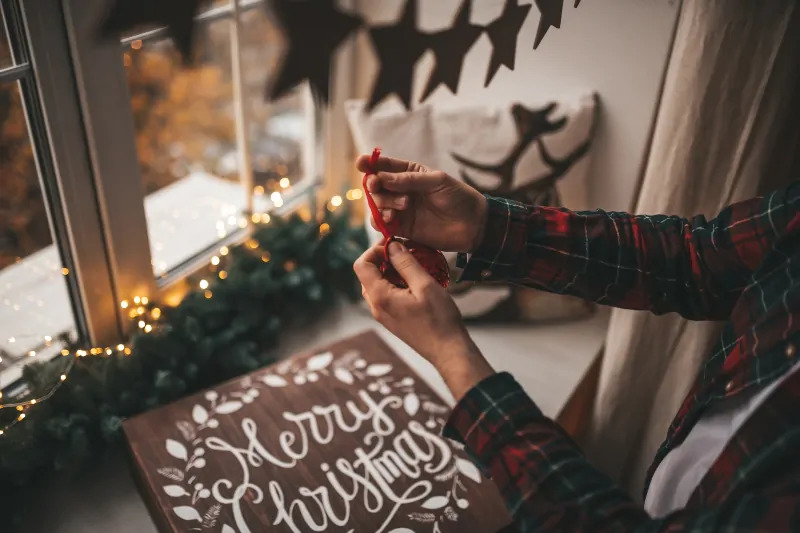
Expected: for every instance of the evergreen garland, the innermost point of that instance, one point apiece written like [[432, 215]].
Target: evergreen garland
[[201, 342]]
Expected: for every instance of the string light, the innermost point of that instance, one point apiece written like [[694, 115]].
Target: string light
[[284, 183], [155, 313], [354, 194]]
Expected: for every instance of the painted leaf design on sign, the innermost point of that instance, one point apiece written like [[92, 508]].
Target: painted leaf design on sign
[[434, 408], [378, 370], [171, 473], [343, 375], [186, 429], [272, 380], [175, 491], [229, 407], [211, 516], [422, 517], [467, 468], [187, 513], [401, 530], [199, 414], [411, 403], [227, 529], [320, 361], [176, 449], [451, 514], [435, 502]]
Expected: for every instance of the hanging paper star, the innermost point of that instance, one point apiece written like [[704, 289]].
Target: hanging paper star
[[399, 47], [551, 16], [176, 15], [450, 48], [314, 30], [503, 33]]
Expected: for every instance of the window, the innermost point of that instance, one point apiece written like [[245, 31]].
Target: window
[[36, 309], [122, 170], [196, 191]]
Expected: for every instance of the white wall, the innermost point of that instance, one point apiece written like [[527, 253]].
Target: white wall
[[618, 48]]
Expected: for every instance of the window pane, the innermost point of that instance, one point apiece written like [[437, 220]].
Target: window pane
[[186, 143], [35, 309], [205, 5], [280, 132], [6, 59]]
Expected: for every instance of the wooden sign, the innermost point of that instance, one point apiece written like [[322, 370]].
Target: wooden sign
[[344, 440]]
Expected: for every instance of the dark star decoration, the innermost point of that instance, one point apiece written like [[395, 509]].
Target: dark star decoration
[[314, 30], [399, 47], [551, 16], [450, 48], [176, 15], [503, 33]]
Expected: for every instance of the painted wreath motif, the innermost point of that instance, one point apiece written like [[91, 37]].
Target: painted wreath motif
[[349, 369]]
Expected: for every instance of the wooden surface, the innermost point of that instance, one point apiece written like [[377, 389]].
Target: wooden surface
[[343, 439]]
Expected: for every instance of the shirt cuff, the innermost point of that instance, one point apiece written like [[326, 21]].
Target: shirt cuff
[[489, 415], [504, 239]]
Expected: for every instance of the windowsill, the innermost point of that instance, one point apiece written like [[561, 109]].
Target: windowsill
[[187, 221]]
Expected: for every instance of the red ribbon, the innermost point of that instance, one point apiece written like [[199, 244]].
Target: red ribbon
[[383, 227]]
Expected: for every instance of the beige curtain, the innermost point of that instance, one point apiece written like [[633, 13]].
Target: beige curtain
[[727, 129]]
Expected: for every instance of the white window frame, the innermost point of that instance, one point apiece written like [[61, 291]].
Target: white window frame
[[105, 102], [78, 106]]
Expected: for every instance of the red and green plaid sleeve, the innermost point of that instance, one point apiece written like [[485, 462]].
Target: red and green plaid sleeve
[[549, 486], [659, 263]]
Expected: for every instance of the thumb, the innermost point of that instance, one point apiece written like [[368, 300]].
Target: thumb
[[410, 181], [407, 265]]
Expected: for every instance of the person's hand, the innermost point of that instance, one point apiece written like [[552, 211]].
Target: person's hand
[[424, 316], [429, 206]]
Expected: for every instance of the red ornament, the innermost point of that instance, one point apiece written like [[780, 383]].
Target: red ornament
[[432, 260]]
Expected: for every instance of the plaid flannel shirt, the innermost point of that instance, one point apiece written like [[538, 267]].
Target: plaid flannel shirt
[[743, 267]]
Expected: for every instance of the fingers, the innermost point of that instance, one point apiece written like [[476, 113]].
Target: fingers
[[366, 267], [407, 266], [387, 215], [386, 200], [408, 182], [385, 164]]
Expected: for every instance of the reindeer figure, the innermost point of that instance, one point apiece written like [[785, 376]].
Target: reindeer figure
[[531, 125]]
